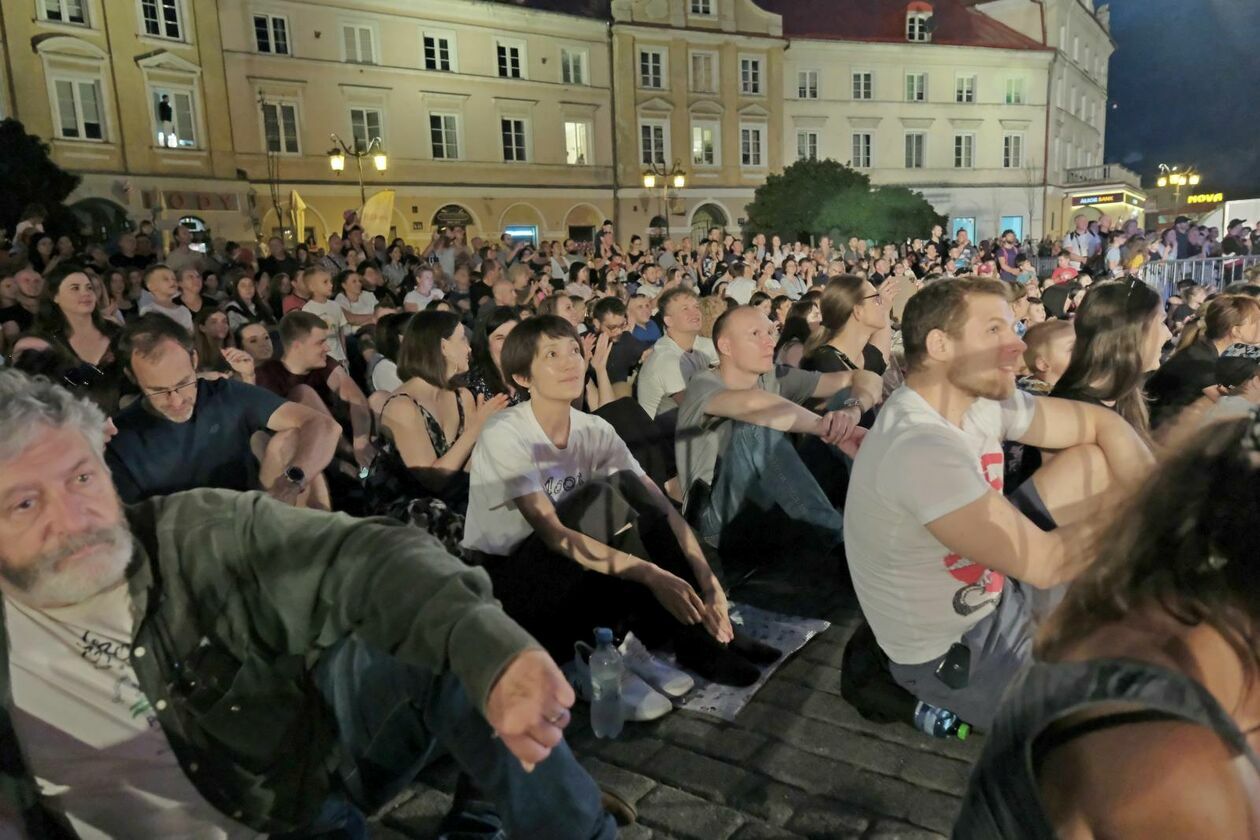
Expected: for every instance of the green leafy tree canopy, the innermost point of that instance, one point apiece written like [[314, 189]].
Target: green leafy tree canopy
[[29, 174]]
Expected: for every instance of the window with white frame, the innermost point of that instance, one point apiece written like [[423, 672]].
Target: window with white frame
[[807, 84], [1076, 48], [702, 8], [1012, 151], [863, 84], [162, 18], [653, 141], [514, 139], [651, 68], [577, 143], [359, 44], [511, 59], [80, 109], [704, 75], [750, 76], [916, 87], [573, 66], [964, 151], [174, 111], [807, 144], [861, 150], [271, 34], [965, 89], [365, 123], [64, 11], [444, 135], [752, 145], [918, 27], [916, 149], [1015, 91], [439, 51], [706, 136], [280, 127]]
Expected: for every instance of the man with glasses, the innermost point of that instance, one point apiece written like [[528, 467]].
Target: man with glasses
[[186, 433]]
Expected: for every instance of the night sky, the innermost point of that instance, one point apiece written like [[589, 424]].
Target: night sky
[[1184, 89]]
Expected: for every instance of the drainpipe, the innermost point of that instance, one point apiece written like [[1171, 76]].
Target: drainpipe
[[8, 76], [612, 92], [113, 76], [1045, 156]]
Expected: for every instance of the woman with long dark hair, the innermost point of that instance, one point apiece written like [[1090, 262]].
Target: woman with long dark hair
[[70, 318], [485, 375], [244, 304], [803, 322], [212, 334], [853, 312]]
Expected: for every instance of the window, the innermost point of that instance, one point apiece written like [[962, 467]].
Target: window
[[807, 84], [807, 145], [863, 84], [162, 18], [65, 11], [573, 67], [705, 143], [965, 89], [704, 72], [271, 33], [750, 76], [439, 51], [1015, 91], [916, 147], [280, 127], [511, 64], [513, 130], [967, 223], [1013, 151], [653, 145], [444, 136], [752, 139], [79, 112], [577, 144], [918, 26], [176, 126], [1015, 224], [916, 87], [365, 123], [652, 69], [358, 44], [861, 151], [704, 8], [1076, 48], [964, 151]]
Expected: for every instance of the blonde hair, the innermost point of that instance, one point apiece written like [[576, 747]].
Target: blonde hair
[[711, 308]]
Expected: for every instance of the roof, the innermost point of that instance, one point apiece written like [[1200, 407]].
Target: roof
[[884, 21], [582, 8]]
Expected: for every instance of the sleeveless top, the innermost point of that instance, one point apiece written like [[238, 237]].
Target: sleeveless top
[[436, 435], [1003, 797]]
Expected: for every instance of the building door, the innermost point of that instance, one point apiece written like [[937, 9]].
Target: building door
[[707, 216]]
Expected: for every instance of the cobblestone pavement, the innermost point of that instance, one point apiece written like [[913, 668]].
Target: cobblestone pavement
[[798, 762]]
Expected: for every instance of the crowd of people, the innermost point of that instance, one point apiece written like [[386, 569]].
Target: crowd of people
[[565, 435]]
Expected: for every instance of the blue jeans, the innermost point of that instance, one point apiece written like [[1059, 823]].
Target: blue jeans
[[394, 719]]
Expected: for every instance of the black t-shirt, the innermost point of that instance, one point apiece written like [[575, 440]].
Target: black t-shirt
[[153, 456], [827, 359], [15, 313], [1181, 380], [624, 357], [279, 380], [123, 261], [1056, 298], [272, 266]]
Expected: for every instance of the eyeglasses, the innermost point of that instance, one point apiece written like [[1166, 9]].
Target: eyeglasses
[[166, 392], [879, 296]]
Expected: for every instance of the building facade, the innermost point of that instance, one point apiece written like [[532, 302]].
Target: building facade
[[542, 117]]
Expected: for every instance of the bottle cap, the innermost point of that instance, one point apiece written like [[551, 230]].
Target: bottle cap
[[964, 729], [603, 636]]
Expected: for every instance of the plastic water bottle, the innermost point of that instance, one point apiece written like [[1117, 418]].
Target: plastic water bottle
[[939, 723], [607, 715]]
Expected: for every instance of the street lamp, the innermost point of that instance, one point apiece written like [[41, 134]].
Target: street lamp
[[338, 153], [674, 178], [1176, 177]]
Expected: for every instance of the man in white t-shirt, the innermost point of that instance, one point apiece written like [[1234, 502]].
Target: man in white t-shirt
[[931, 540], [663, 377], [1081, 244], [742, 287], [419, 298], [159, 281]]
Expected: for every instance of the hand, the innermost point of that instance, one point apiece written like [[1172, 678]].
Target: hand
[[364, 452], [240, 362], [285, 491], [603, 349], [487, 408], [834, 427], [529, 707], [716, 618], [588, 344], [675, 595]]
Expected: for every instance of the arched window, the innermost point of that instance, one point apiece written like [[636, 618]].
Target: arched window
[[919, 22]]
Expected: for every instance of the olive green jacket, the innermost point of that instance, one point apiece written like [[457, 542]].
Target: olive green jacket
[[234, 596]]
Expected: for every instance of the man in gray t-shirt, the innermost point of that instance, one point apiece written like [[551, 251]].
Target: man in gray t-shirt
[[732, 431]]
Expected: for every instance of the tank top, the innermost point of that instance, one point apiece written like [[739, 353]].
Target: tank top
[[1003, 798]]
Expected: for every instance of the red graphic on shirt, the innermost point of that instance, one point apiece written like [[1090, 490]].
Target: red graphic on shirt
[[982, 585]]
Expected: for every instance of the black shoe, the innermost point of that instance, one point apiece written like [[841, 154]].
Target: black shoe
[[754, 651], [700, 652]]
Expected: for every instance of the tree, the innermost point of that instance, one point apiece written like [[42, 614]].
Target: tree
[[816, 197], [29, 175]]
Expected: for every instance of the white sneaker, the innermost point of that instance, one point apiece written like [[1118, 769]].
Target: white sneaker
[[664, 678], [639, 701]]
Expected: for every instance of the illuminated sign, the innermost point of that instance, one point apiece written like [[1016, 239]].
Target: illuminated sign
[[1206, 198], [1090, 199]]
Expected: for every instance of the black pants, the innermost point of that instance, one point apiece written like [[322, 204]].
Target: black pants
[[651, 444], [560, 602]]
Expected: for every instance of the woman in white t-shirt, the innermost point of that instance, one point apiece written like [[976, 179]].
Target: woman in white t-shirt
[[424, 293], [353, 298], [574, 535]]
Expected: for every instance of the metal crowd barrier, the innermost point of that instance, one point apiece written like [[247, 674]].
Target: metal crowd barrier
[[1215, 273]]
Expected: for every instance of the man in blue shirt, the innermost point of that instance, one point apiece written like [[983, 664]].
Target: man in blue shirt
[[639, 309]]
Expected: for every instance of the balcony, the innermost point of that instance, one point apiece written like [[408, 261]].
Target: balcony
[[1107, 173]]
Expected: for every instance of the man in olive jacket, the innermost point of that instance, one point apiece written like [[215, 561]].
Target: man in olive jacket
[[219, 664]]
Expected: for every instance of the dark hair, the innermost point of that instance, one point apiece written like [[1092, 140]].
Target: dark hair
[[522, 344], [575, 269], [145, 334], [207, 359], [387, 335], [51, 321], [840, 297], [420, 354], [481, 358], [1220, 316], [261, 310], [796, 325], [608, 306], [298, 324], [941, 306]]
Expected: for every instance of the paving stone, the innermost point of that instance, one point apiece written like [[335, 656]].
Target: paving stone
[[714, 780], [686, 816], [711, 737], [827, 739], [947, 775], [638, 831], [761, 831], [629, 786], [893, 830], [829, 820], [768, 800], [629, 750]]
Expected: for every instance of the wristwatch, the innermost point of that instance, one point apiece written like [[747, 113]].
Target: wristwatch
[[296, 476], [852, 402]]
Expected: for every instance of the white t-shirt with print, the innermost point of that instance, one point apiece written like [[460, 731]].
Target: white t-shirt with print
[[419, 301], [92, 740], [514, 457], [335, 317], [912, 468]]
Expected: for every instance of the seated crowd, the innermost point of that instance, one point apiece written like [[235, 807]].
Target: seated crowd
[[998, 464]]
